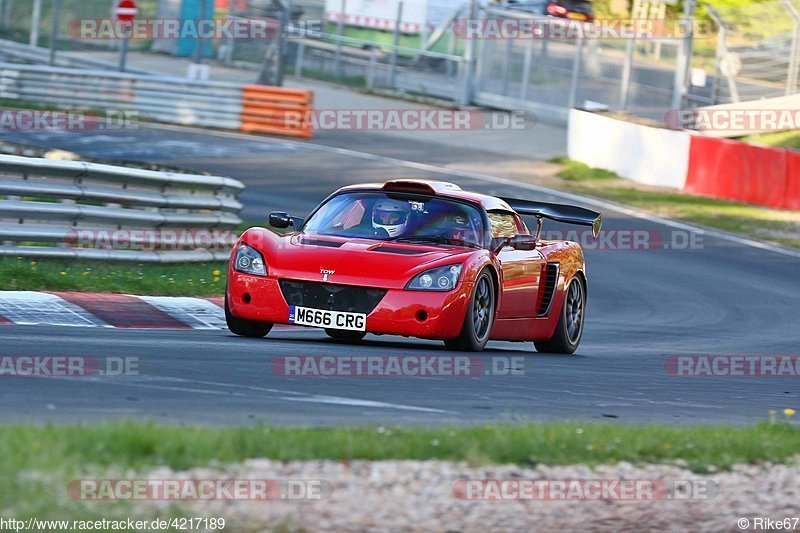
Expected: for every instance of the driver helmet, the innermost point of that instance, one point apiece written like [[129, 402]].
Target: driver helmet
[[391, 215]]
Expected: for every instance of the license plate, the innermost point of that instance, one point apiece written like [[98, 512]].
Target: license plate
[[319, 318], [576, 16]]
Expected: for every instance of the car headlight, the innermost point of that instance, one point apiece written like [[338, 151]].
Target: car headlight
[[436, 279], [249, 261]]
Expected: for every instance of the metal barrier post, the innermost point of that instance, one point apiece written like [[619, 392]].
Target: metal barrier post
[[123, 50], [283, 41], [506, 66], [680, 86], [576, 74], [54, 32], [298, 63], [337, 61], [526, 70], [794, 54], [395, 44], [373, 61], [467, 66], [36, 20], [8, 9], [451, 48], [625, 84]]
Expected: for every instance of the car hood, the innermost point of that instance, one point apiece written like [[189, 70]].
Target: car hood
[[364, 262]]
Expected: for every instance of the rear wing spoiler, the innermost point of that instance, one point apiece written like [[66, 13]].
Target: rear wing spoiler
[[569, 214]]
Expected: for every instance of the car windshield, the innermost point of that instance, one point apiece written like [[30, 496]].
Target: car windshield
[[398, 217]]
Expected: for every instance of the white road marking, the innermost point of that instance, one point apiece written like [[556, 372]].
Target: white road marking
[[34, 308], [194, 312], [151, 382], [625, 210], [337, 400]]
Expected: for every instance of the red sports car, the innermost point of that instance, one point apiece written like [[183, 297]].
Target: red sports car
[[416, 258]]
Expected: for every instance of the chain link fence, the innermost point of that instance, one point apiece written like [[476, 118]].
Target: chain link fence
[[16, 21], [758, 51], [748, 53]]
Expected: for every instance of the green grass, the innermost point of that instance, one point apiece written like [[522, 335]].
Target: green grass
[[37, 462], [780, 139], [779, 226], [189, 279], [137, 446]]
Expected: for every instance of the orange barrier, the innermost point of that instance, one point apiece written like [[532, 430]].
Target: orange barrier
[[276, 110], [750, 173]]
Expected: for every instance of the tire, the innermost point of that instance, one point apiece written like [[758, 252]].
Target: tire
[[480, 314], [569, 329], [344, 335], [244, 327]]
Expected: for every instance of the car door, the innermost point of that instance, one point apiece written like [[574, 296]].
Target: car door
[[521, 269]]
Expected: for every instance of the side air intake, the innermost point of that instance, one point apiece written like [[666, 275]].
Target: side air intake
[[548, 289]]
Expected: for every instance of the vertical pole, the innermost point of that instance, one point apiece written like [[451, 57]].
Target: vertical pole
[[526, 70], [721, 46], [298, 64], [576, 74], [625, 84], [198, 48], [54, 32], [337, 62], [373, 61], [680, 86], [794, 55], [468, 63], [283, 47], [36, 20], [506, 66], [8, 10], [123, 49], [451, 48], [395, 44]]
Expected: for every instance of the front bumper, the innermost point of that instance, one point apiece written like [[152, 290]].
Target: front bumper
[[429, 315]]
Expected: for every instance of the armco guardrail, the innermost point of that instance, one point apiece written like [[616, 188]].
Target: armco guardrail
[[14, 51], [163, 99], [78, 209]]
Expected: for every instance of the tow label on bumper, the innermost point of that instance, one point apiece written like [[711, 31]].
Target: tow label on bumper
[[319, 318]]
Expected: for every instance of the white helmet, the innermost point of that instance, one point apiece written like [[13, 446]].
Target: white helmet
[[391, 215]]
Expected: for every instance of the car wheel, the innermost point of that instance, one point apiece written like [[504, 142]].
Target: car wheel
[[570, 323], [244, 327], [478, 322], [344, 335]]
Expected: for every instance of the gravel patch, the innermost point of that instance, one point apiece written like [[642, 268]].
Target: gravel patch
[[419, 496]]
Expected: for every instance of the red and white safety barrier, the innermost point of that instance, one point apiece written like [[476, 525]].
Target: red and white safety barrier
[[687, 161]]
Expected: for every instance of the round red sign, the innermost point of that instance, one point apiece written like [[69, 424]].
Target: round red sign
[[126, 10]]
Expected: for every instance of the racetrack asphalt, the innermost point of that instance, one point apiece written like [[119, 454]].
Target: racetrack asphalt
[[719, 297]]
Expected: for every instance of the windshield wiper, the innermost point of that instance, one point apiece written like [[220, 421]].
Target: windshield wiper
[[435, 239]]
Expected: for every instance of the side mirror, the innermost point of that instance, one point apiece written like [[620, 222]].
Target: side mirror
[[280, 220], [518, 242]]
